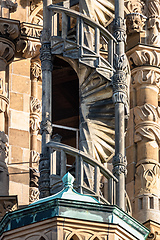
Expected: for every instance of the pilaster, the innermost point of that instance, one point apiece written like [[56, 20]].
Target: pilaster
[[144, 61]]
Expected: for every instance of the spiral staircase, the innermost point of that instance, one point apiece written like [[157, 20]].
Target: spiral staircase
[[85, 44]]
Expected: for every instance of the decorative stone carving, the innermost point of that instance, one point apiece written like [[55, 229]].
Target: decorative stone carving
[[35, 156], [99, 10], [144, 75], [35, 123], [45, 57], [147, 119], [46, 127], [7, 204], [147, 178], [145, 57], [31, 49], [34, 117], [135, 23], [34, 176], [33, 190], [119, 164], [147, 112], [154, 22], [33, 194], [9, 28], [36, 70], [135, 6], [7, 50], [34, 4], [30, 30], [35, 105], [12, 5]]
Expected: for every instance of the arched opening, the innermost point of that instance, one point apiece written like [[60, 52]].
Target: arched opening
[[65, 102], [42, 238], [74, 237]]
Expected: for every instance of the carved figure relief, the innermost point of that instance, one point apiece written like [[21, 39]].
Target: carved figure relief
[[135, 6], [147, 177], [135, 23]]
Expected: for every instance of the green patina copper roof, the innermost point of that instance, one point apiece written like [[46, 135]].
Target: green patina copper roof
[[68, 193], [70, 204]]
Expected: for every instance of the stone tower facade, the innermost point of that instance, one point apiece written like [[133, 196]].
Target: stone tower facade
[[143, 130], [73, 118]]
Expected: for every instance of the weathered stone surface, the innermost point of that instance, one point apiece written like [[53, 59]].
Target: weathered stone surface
[[19, 120], [16, 101], [20, 84], [19, 138]]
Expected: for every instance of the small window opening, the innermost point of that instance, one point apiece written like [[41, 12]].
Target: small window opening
[[151, 203]]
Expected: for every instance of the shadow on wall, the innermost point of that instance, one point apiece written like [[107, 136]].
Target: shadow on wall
[[25, 3]]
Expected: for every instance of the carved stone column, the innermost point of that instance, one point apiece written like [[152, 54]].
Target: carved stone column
[[144, 127], [46, 125], [35, 111], [9, 31], [121, 82], [146, 113]]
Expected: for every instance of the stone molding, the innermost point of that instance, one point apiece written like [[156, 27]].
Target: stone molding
[[31, 30]]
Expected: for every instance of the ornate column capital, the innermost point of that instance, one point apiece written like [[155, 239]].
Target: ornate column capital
[[46, 57], [119, 165]]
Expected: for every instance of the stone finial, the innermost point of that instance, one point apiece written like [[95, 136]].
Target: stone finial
[[68, 180]]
